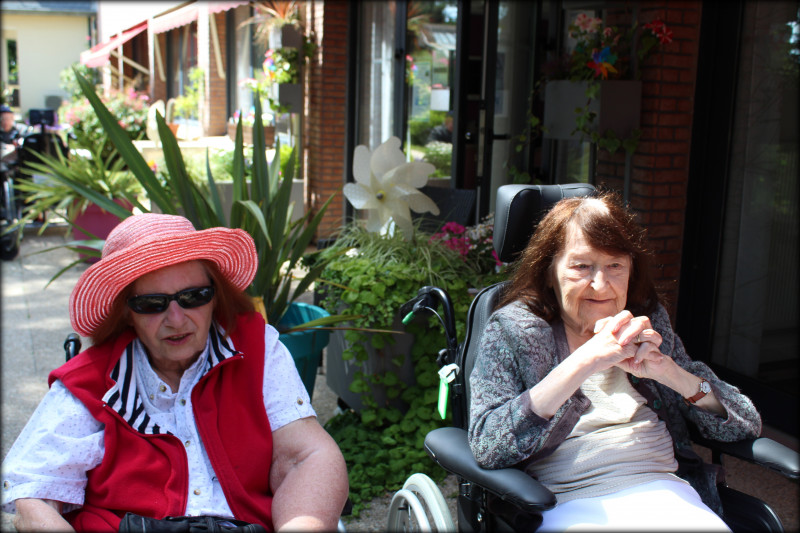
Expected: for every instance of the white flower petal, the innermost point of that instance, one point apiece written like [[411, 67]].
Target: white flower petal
[[386, 157], [399, 209], [361, 157], [415, 173], [421, 203], [405, 225], [361, 197], [373, 221], [403, 189]]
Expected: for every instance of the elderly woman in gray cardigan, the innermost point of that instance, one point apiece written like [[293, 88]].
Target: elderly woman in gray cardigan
[[581, 381]]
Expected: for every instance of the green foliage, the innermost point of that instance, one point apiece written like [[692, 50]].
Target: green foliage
[[261, 206], [188, 104], [440, 155], [70, 83], [85, 130], [104, 177], [371, 276], [420, 126]]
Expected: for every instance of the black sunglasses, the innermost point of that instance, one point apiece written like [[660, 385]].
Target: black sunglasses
[[150, 304]]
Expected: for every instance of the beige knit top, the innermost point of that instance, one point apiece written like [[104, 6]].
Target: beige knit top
[[617, 443]]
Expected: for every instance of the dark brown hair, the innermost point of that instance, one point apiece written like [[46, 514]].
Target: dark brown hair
[[228, 303], [608, 226]]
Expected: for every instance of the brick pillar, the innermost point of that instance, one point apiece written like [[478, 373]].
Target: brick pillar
[[158, 86], [216, 102], [325, 132], [660, 166]]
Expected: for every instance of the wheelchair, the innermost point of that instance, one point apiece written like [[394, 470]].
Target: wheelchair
[[508, 499]]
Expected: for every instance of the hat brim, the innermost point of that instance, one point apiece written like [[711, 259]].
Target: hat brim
[[232, 250]]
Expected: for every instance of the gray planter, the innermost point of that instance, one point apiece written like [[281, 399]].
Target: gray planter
[[340, 373], [225, 189], [291, 95], [618, 107]]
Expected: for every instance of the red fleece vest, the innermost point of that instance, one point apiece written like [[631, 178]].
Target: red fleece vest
[[148, 474]]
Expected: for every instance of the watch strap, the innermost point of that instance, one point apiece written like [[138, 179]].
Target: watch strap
[[700, 394]]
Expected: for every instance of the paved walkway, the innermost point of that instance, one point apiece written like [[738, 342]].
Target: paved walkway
[[35, 323]]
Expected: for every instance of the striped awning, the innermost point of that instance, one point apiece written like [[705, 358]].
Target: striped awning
[[97, 56]]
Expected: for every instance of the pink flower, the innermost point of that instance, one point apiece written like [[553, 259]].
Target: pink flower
[[594, 25], [583, 21], [608, 32], [453, 227]]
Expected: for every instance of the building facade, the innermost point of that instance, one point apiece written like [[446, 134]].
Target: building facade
[[713, 174]]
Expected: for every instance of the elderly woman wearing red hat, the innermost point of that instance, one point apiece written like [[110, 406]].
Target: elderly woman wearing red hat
[[185, 405]]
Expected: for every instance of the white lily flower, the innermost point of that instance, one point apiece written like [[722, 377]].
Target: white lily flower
[[386, 186]]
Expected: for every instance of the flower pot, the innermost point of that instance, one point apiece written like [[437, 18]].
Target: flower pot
[[98, 222], [305, 346], [247, 134], [340, 372], [173, 127], [618, 106], [291, 95]]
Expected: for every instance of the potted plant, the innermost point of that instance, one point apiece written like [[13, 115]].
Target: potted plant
[[261, 207], [61, 184], [384, 371], [594, 91]]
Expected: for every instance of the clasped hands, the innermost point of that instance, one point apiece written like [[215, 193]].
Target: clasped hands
[[631, 344]]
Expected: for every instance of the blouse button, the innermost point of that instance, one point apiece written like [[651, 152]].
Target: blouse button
[[6, 485], [183, 401], [152, 396], [187, 443], [162, 388], [197, 492], [656, 404], [299, 401]]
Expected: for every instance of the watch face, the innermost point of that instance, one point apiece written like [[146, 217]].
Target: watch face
[[705, 388]]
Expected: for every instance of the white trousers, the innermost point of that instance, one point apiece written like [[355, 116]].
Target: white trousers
[[662, 505]]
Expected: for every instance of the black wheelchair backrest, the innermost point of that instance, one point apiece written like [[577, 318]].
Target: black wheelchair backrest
[[518, 210]]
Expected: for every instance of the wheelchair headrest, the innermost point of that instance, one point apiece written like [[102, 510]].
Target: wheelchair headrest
[[519, 209]]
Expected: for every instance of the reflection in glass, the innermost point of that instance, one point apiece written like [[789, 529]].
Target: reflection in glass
[[430, 61]]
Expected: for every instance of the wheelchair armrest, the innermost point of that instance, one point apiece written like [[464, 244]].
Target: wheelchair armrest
[[449, 449], [762, 451]]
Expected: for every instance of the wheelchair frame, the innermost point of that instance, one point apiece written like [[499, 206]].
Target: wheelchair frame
[[493, 500]]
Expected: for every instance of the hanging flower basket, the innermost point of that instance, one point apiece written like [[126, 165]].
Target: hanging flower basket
[[617, 106]]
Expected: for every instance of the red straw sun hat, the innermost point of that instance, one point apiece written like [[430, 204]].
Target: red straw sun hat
[[143, 243]]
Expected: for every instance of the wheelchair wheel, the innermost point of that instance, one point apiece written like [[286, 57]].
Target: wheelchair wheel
[[418, 505]]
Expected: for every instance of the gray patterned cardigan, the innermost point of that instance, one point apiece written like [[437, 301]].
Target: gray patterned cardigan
[[518, 349]]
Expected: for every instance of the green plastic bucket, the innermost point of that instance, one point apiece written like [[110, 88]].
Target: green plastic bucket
[[305, 346]]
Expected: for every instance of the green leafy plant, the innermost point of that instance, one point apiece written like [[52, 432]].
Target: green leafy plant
[[371, 276], [440, 155], [187, 105], [261, 207], [82, 126], [69, 178]]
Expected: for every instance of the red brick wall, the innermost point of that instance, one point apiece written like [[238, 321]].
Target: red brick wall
[[216, 96], [159, 85], [325, 132], [660, 165]]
